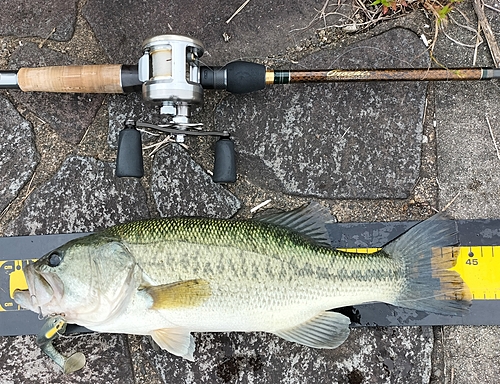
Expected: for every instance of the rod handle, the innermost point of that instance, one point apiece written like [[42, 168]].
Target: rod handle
[[74, 79], [236, 77]]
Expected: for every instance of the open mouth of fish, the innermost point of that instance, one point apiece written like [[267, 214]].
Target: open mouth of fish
[[42, 289]]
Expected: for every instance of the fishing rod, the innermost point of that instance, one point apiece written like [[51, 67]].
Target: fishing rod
[[169, 74]]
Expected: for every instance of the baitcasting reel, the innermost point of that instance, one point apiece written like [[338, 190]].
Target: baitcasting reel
[[169, 74]]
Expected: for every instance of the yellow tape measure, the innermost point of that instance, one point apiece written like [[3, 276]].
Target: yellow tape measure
[[480, 269], [12, 278], [477, 265]]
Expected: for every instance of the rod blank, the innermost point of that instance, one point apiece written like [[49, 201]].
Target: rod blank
[[418, 74]]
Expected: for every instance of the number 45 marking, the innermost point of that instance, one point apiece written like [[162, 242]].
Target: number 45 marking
[[472, 262]]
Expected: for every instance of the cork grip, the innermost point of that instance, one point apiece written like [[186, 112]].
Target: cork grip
[[74, 79]]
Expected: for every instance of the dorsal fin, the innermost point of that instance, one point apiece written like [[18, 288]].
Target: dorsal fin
[[308, 220]]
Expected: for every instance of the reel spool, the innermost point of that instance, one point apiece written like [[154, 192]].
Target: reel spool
[[169, 70], [170, 73]]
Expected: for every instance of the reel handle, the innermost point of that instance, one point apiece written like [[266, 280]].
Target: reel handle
[[225, 163], [129, 162]]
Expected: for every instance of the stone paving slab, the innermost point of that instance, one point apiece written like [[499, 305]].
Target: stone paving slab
[[468, 161], [22, 361], [131, 106], [133, 22], [83, 196], [53, 19], [19, 155], [469, 171], [180, 187], [350, 140], [68, 114], [493, 16], [471, 354], [372, 355]]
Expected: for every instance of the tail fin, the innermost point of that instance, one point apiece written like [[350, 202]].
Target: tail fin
[[425, 253]]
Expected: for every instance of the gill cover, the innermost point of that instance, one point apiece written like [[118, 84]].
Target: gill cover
[[97, 276]]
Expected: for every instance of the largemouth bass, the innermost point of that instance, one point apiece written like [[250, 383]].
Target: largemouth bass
[[170, 277]]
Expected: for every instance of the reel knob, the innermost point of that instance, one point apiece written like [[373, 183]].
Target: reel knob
[[225, 164], [129, 157]]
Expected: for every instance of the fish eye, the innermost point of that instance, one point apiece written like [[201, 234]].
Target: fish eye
[[55, 259]]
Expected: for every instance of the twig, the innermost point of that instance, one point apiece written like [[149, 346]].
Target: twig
[[147, 132], [456, 41], [24, 198], [479, 41], [492, 8], [345, 132], [157, 146], [493, 138], [488, 33], [47, 38], [29, 187], [237, 11], [84, 135], [259, 206], [2, 214], [451, 202], [323, 13]]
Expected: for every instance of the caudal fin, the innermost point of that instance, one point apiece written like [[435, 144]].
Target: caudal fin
[[426, 254]]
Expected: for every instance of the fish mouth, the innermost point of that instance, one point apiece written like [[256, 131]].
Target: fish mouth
[[43, 289]]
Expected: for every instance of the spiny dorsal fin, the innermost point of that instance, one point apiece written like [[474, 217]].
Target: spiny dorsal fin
[[327, 330], [308, 220], [189, 293]]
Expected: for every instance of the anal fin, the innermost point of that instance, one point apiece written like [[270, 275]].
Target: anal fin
[[178, 342], [327, 330]]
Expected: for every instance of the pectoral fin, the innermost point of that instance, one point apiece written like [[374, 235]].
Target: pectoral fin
[[178, 342], [327, 330], [189, 293]]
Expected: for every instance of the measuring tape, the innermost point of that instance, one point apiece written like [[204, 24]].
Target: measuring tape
[[479, 267], [15, 280]]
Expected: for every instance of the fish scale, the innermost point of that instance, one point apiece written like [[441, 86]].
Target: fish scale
[[282, 259]]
